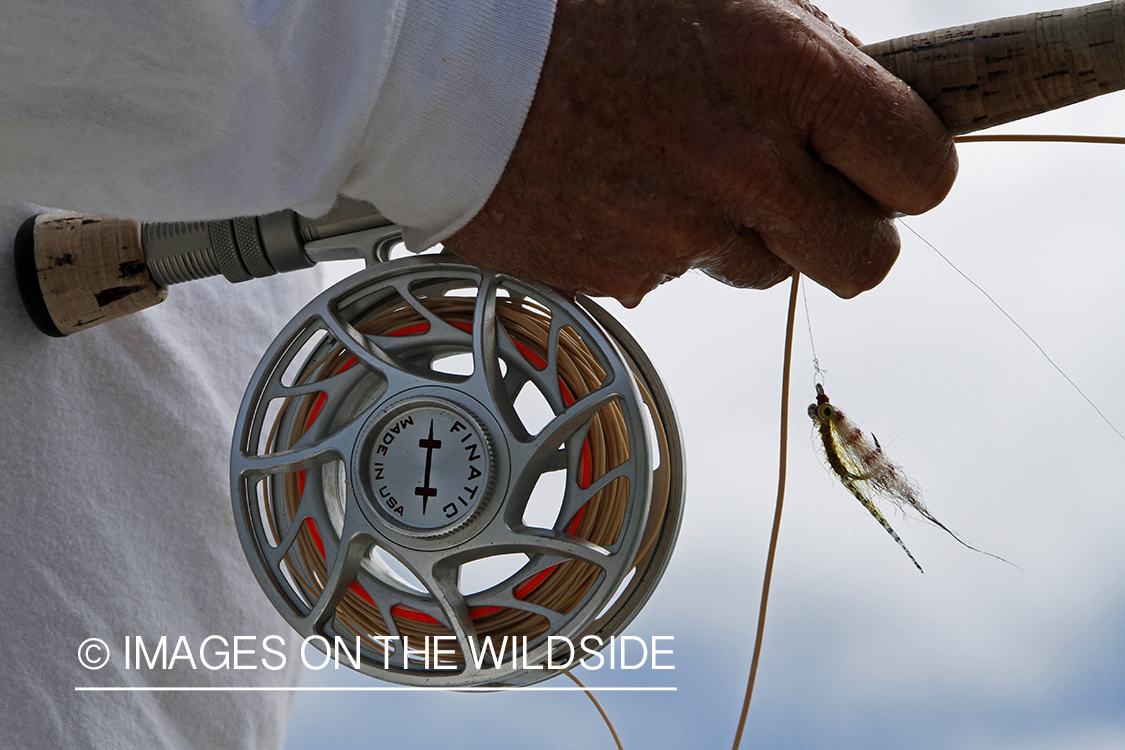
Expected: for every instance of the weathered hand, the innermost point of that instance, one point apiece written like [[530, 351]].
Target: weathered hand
[[746, 139]]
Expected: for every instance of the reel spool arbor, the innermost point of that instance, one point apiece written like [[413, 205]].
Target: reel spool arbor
[[433, 449]]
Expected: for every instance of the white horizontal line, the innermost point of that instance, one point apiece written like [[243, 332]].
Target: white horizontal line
[[388, 688]]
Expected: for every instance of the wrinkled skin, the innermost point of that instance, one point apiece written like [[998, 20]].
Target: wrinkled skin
[[746, 139]]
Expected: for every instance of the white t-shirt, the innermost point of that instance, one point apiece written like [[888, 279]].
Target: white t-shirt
[[114, 494]]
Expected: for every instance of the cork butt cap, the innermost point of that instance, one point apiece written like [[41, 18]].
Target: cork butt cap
[[76, 271]]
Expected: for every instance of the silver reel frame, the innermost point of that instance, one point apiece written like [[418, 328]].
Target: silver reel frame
[[332, 457]]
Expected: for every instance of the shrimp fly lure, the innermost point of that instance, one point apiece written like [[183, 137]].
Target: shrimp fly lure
[[865, 470]]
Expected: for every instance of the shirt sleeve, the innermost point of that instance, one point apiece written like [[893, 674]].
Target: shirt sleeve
[[449, 112], [200, 109]]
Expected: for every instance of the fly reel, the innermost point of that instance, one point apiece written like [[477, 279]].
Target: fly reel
[[464, 474]]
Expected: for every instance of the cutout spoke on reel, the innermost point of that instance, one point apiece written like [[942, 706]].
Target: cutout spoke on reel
[[452, 611], [540, 453], [543, 376], [296, 526], [569, 422], [389, 369], [578, 497], [392, 439], [488, 380], [345, 565], [338, 445], [547, 542], [437, 325], [330, 387]]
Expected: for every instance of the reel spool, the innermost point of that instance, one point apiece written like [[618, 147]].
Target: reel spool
[[426, 422]]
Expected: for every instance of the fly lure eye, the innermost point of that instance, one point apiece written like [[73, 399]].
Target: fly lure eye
[[825, 411]]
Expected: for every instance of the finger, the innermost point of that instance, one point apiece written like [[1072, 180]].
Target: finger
[[743, 260], [812, 218], [874, 129]]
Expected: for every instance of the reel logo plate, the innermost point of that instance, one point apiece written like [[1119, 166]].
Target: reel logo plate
[[427, 467]]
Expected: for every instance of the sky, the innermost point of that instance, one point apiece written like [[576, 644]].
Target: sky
[[860, 650]]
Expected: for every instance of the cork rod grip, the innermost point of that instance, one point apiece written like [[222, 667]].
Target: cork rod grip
[[993, 72]]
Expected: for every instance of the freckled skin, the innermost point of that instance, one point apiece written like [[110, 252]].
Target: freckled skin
[[745, 139]]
